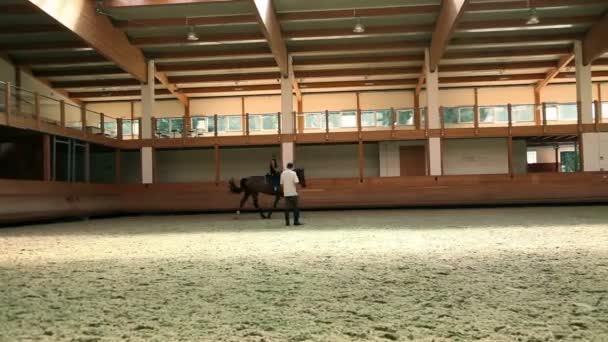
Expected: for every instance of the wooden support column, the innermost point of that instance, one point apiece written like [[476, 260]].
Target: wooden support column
[[510, 118], [119, 132], [510, 152], [599, 113], [153, 127], [579, 116], [246, 124], [83, 118], [557, 163], [544, 112], [442, 121], [62, 113], [118, 166], [215, 125], [538, 109], [216, 150], [37, 109], [476, 112], [87, 162], [187, 120], [139, 131], [359, 115], [8, 102], [17, 90], [361, 160], [279, 125], [243, 114], [101, 123], [417, 120], [46, 158], [393, 122], [300, 116], [326, 124]]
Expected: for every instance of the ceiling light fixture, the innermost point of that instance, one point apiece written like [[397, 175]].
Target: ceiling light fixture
[[533, 18], [192, 36], [359, 28]]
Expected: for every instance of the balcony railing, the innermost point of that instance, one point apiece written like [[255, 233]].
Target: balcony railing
[[17, 102]]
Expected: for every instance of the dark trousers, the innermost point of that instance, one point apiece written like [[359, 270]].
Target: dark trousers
[[291, 204]]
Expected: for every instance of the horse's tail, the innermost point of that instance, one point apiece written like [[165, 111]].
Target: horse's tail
[[234, 188]]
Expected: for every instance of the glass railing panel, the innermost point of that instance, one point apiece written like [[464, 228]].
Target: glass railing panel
[[462, 116], [2, 97], [522, 114], [50, 110], [405, 117], [110, 127], [73, 116], [22, 102]]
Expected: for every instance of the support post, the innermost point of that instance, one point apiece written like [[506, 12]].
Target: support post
[[101, 124], [393, 122], [300, 116], [442, 121], [83, 119], [538, 107], [581, 153], [557, 163], [326, 124], [119, 132], [117, 166], [579, 116], [37, 109], [246, 124], [279, 124], [417, 121], [46, 158], [62, 113], [510, 154], [510, 116], [598, 114], [7, 101], [544, 106], [476, 112], [361, 161], [148, 98], [432, 94], [215, 125], [216, 154], [584, 86], [358, 115], [87, 162]]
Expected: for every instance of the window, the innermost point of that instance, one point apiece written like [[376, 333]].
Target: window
[[568, 112], [569, 161], [234, 123], [314, 120], [523, 113], [348, 120], [456, 115], [270, 122], [405, 117], [531, 155], [551, 112]]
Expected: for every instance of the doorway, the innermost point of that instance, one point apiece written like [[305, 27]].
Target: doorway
[[412, 161], [69, 160]]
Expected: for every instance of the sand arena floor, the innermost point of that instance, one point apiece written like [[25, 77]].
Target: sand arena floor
[[510, 274]]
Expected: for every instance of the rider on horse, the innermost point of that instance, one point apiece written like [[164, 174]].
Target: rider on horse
[[274, 174]]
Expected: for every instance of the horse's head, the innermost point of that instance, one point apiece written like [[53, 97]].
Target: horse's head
[[301, 177]]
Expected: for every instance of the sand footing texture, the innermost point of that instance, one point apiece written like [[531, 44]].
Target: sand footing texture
[[508, 274]]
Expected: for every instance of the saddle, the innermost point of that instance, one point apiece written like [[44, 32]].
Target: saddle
[[274, 180]]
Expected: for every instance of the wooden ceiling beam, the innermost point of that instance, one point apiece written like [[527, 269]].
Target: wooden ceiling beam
[[355, 72], [521, 23], [494, 40], [595, 43], [45, 46], [232, 53], [142, 3], [162, 77], [362, 59], [362, 12], [118, 82], [98, 32], [348, 31], [366, 83], [523, 4], [88, 71], [271, 28], [216, 66], [75, 59], [328, 48], [447, 21], [197, 21], [253, 37], [506, 53], [553, 72], [255, 76]]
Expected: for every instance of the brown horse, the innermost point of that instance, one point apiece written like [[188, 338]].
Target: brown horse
[[255, 185]]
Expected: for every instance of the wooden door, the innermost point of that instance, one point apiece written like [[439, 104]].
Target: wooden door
[[412, 160]]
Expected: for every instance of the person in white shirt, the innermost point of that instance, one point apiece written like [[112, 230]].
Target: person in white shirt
[[289, 179]]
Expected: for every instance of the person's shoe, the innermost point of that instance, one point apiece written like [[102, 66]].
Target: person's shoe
[[298, 224], [287, 224]]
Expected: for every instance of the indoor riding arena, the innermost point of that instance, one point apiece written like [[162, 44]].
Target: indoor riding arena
[[451, 161]]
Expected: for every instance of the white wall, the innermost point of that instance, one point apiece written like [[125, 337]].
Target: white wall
[[337, 161], [595, 149], [193, 165], [475, 156]]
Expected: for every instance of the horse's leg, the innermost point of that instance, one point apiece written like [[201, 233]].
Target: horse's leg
[[254, 196], [277, 198], [243, 200]]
